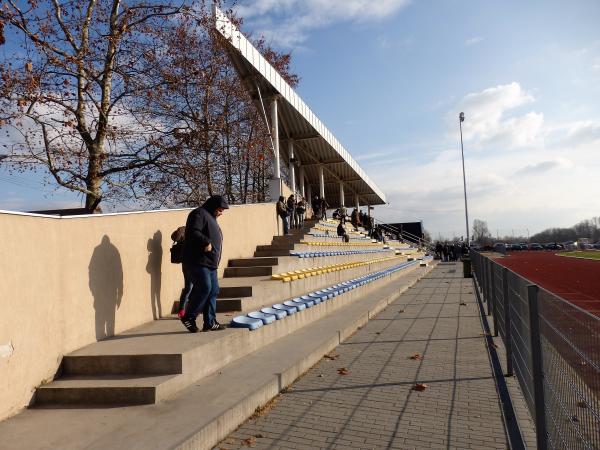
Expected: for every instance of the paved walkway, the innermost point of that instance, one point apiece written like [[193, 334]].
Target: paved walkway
[[374, 405]]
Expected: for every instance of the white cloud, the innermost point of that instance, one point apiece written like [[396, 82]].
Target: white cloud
[[473, 40], [287, 22], [486, 122]]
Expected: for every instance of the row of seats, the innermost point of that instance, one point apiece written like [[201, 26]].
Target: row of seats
[[278, 311], [345, 244], [335, 235], [340, 253], [350, 230], [312, 271]]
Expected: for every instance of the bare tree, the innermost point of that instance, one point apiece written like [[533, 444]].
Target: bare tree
[[480, 231], [219, 143], [66, 97]]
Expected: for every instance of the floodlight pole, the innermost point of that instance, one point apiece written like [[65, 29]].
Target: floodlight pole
[[461, 118]]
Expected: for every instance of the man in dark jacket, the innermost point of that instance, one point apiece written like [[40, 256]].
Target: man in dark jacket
[[201, 257]]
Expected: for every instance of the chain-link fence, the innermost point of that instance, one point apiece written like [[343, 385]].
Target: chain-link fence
[[553, 348]]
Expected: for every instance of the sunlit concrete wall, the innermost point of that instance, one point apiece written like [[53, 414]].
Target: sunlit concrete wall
[[67, 282]]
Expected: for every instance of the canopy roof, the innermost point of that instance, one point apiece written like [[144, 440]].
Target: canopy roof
[[314, 144]]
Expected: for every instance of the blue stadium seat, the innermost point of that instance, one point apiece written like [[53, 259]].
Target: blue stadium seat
[[289, 309], [246, 322], [278, 313], [266, 318]]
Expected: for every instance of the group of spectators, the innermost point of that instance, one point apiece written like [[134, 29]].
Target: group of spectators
[[452, 251], [291, 212]]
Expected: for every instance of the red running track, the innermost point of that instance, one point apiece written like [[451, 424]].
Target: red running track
[[576, 280]]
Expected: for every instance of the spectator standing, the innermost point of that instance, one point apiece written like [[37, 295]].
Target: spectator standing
[[317, 206], [300, 211], [201, 258], [354, 219], [324, 206], [291, 210], [283, 214]]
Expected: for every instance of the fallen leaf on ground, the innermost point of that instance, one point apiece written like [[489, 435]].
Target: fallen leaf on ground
[[582, 404], [416, 356], [343, 371], [420, 387], [250, 442], [401, 311], [320, 375], [494, 345], [377, 332], [463, 304], [332, 357], [259, 435]]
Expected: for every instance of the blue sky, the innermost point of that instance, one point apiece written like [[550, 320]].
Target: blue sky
[[389, 78]]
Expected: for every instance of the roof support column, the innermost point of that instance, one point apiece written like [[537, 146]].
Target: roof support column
[[309, 194], [301, 180], [321, 182], [342, 199], [275, 187], [357, 201], [292, 163]]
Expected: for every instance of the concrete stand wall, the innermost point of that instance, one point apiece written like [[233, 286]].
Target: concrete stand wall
[[67, 282]]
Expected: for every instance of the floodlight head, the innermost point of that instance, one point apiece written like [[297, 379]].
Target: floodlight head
[[461, 116]]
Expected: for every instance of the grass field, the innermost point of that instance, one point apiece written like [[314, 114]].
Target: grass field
[[589, 255]]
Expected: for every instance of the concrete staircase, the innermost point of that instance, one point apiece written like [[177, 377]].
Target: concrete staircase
[[152, 363]]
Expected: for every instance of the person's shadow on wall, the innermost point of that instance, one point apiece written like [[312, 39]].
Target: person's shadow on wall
[[154, 268], [106, 285]]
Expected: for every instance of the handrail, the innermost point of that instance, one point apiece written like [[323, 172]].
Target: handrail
[[421, 242]]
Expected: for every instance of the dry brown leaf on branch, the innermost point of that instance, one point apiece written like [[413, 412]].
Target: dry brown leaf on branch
[[416, 356], [343, 371], [420, 387]]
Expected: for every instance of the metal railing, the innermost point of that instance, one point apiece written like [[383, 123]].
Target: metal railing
[[553, 348], [407, 236]]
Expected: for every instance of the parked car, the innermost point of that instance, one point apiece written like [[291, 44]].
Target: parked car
[[553, 246], [597, 245], [514, 247], [535, 246], [500, 247]]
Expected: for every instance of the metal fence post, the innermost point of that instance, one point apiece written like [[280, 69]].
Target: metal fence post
[[507, 325], [494, 298], [537, 367], [489, 285]]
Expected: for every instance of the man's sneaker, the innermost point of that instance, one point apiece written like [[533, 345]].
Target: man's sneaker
[[181, 313], [189, 324], [216, 326]]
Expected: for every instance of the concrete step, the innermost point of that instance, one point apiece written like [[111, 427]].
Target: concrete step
[[235, 291], [147, 364], [271, 253], [250, 262], [253, 271], [208, 410], [278, 246], [107, 391]]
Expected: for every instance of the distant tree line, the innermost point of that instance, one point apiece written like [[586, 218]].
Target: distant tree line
[[130, 102], [585, 229]]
